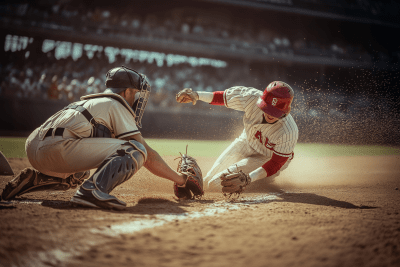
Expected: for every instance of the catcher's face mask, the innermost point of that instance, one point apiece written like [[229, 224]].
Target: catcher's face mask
[[141, 98]]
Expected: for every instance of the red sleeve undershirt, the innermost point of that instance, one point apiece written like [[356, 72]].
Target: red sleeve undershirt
[[274, 164], [218, 98]]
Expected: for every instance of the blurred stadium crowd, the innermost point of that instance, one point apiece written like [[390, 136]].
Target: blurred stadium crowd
[[67, 79], [237, 32]]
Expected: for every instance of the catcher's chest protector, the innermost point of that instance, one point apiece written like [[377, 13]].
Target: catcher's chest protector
[[99, 130]]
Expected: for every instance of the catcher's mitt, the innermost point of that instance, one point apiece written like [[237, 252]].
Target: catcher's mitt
[[187, 95], [193, 187], [235, 183]]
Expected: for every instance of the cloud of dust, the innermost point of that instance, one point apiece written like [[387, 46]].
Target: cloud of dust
[[306, 172], [349, 106]]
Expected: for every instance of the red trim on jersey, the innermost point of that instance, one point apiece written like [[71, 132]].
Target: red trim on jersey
[[274, 164], [271, 147], [218, 98]]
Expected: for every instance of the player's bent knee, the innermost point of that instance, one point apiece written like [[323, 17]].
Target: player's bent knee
[[117, 168], [139, 147]]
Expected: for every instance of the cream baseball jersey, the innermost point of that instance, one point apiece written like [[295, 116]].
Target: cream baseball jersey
[[105, 110], [279, 137]]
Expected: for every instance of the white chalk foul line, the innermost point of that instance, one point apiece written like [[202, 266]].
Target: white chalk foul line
[[136, 226], [35, 201], [214, 209]]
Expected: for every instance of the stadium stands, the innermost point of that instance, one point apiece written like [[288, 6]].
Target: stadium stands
[[211, 50]]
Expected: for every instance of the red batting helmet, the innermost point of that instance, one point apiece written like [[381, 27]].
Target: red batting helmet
[[276, 99]]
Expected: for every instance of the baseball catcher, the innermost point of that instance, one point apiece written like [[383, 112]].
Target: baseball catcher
[[193, 186], [100, 131]]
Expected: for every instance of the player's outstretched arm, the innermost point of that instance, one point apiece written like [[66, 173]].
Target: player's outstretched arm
[[187, 95], [156, 165], [269, 168], [258, 174]]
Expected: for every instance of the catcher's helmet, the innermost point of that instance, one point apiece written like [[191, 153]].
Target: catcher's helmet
[[120, 78], [277, 99]]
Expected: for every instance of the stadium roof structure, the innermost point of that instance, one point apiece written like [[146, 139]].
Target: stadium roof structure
[[382, 13]]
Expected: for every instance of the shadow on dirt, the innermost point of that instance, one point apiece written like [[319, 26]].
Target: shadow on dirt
[[305, 198], [262, 187], [6, 205], [148, 206], [313, 199], [155, 205]]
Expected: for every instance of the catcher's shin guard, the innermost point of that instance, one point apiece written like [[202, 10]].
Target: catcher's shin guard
[[31, 180], [115, 170]]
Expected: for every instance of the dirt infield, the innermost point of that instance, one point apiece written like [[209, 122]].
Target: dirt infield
[[338, 211]]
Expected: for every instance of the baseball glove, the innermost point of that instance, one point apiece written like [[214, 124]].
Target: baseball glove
[[235, 183], [193, 187], [187, 95]]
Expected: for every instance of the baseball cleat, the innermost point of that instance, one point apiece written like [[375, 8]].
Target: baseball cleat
[[96, 199], [19, 184]]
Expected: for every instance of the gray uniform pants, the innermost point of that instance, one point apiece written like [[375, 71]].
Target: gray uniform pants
[[61, 156]]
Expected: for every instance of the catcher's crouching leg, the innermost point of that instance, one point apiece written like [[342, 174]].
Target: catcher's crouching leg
[[31, 180], [114, 170]]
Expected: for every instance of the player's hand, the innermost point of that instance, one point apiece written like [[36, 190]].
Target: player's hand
[[187, 95], [234, 182]]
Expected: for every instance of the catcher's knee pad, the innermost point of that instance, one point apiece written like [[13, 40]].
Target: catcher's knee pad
[[116, 169], [139, 149]]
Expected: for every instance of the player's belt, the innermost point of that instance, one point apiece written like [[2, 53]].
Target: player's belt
[[58, 132]]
